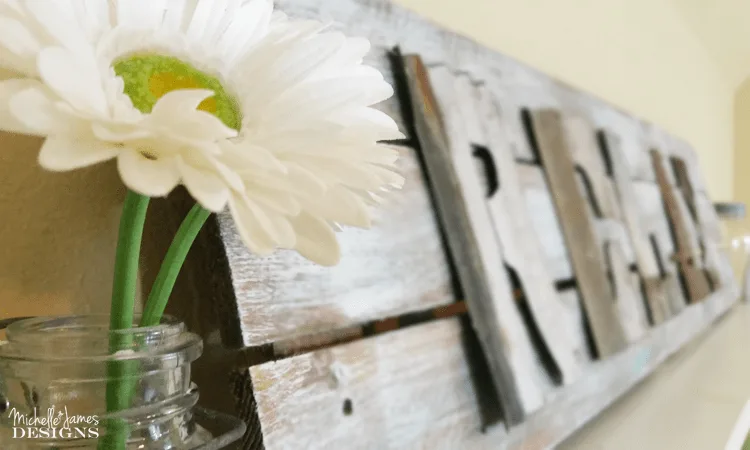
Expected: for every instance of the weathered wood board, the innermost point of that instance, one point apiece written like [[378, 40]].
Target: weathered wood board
[[522, 251], [419, 387], [594, 165], [490, 233], [443, 132], [588, 263], [655, 287], [696, 282], [413, 389], [283, 296]]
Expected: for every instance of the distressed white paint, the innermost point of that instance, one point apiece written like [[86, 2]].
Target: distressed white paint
[[456, 101], [412, 389], [397, 266], [521, 250]]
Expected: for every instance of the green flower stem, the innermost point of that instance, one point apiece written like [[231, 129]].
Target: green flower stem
[[121, 315], [124, 371], [170, 268]]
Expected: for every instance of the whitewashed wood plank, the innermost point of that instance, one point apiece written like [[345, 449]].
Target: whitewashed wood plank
[[384, 272], [444, 134], [579, 232], [630, 304], [520, 246], [694, 279], [615, 243], [544, 221], [717, 259], [413, 389], [692, 229], [518, 93], [685, 151], [648, 265], [654, 224]]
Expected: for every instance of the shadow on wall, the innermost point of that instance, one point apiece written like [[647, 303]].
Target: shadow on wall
[[57, 233]]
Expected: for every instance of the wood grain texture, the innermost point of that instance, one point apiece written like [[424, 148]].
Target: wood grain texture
[[614, 240], [415, 386], [648, 265], [544, 221], [521, 250], [694, 279], [383, 272], [443, 134], [601, 311], [413, 389], [655, 225]]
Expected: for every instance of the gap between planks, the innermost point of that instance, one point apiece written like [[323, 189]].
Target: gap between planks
[[414, 389], [282, 349]]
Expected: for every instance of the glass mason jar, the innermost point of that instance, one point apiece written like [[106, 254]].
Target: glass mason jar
[[56, 374]]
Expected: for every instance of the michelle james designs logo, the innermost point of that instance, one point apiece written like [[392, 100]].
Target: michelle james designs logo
[[56, 424]]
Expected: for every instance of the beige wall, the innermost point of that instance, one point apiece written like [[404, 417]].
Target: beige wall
[[637, 54], [57, 234]]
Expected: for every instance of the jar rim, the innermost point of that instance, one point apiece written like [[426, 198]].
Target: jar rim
[[28, 340], [48, 326]]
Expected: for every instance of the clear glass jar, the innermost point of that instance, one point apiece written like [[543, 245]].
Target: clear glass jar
[[59, 369]]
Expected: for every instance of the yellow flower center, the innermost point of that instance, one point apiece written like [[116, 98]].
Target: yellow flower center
[[149, 77]]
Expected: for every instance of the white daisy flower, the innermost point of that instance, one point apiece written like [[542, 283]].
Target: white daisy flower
[[238, 103]]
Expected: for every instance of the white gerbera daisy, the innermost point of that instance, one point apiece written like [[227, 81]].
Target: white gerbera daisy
[[236, 102]]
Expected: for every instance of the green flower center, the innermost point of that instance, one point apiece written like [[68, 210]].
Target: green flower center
[[149, 77]]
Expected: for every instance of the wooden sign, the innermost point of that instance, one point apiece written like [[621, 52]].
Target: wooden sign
[[447, 152], [608, 334], [380, 351], [656, 285], [696, 282]]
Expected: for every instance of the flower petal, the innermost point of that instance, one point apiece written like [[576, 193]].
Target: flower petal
[[206, 188], [342, 206], [114, 132], [18, 47], [281, 202], [17, 38], [249, 24], [252, 234], [60, 22], [154, 178], [246, 156], [62, 153], [141, 14], [75, 77], [35, 109], [9, 89], [322, 98], [298, 181], [177, 15], [368, 123], [176, 114], [316, 240], [275, 225]]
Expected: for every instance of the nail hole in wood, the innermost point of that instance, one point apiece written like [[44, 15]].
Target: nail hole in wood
[[4, 404], [348, 407]]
